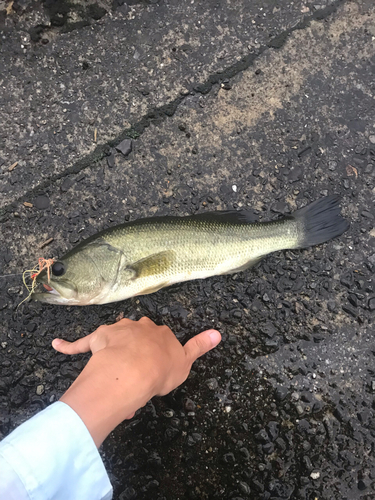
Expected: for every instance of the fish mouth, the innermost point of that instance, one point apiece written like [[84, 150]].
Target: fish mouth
[[48, 294], [50, 289]]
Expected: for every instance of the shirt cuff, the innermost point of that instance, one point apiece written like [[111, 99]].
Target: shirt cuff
[[54, 456]]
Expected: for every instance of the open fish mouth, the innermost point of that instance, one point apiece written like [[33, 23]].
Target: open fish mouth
[[45, 289], [50, 289], [46, 293]]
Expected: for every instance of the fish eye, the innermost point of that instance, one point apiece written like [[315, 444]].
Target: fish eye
[[58, 269]]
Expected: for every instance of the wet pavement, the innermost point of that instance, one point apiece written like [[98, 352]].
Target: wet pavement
[[226, 105]]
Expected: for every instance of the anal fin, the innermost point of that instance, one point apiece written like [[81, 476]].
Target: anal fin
[[245, 266], [153, 289]]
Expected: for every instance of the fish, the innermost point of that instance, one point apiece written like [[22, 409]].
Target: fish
[[142, 256]]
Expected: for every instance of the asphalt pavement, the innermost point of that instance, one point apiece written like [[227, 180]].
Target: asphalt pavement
[[263, 105]]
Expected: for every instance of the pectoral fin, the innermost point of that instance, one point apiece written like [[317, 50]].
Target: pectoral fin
[[154, 264]]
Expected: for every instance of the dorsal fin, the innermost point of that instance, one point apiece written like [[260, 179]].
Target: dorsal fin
[[223, 216]]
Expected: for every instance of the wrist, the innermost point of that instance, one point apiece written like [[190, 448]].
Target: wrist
[[103, 396]]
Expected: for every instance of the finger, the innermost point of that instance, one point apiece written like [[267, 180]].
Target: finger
[[79, 346], [202, 343]]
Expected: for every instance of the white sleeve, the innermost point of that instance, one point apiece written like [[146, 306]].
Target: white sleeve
[[52, 456]]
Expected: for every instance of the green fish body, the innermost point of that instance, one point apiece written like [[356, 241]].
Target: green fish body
[[143, 256]]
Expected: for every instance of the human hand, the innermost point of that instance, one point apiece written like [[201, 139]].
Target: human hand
[[132, 362]]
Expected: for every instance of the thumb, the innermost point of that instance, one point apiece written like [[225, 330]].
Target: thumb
[[80, 345], [200, 344]]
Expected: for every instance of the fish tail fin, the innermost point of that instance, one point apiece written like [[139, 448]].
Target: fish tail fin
[[320, 221]]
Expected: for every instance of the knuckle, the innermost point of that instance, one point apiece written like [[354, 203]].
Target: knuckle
[[145, 320], [164, 329], [101, 330], [123, 323]]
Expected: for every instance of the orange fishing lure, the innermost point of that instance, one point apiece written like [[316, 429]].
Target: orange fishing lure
[[31, 274]]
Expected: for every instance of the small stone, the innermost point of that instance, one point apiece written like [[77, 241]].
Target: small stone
[[197, 437], [229, 458], [111, 162], [331, 306], [170, 433], [315, 475], [212, 383], [189, 405], [40, 390], [128, 494], [226, 86], [279, 207], [353, 300], [268, 448], [306, 446], [347, 280], [367, 214], [125, 147], [371, 304], [245, 452], [41, 202], [281, 393], [332, 165], [361, 485], [262, 436], [66, 185], [281, 444], [273, 429], [299, 409], [154, 459], [349, 310], [268, 329], [295, 396], [308, 463], [244, 487], [234, 188], [372, 139]]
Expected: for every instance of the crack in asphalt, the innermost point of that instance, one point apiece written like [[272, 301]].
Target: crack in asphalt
[[168, 110]]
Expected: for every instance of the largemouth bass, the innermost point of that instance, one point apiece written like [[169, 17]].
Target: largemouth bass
[[140, 257]]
